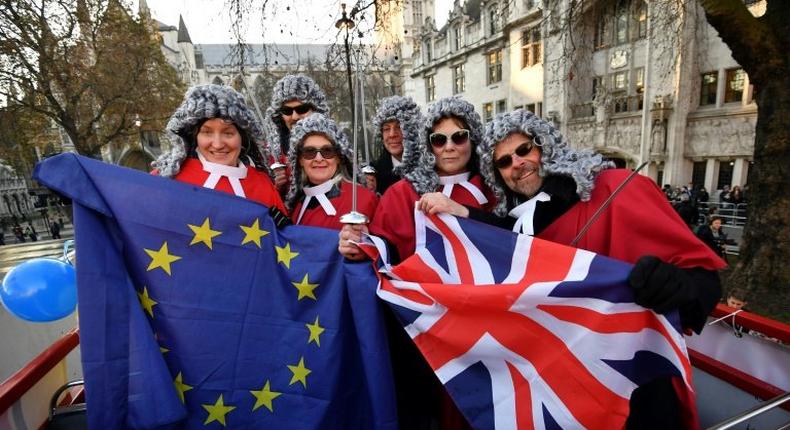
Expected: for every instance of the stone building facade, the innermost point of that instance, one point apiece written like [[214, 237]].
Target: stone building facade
[[638, 81]]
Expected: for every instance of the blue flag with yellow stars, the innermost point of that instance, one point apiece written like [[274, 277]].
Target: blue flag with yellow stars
[[196, 312]]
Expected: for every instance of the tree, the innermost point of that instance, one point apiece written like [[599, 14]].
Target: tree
[[87, 66], [759, 44]]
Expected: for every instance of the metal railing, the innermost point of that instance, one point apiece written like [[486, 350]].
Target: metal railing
[[753, 412]]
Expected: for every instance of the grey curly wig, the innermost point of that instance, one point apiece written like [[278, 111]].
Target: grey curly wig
[[205, 102], [557, 157], [409, 117], [419, 163], [290, 87], [315, 124]]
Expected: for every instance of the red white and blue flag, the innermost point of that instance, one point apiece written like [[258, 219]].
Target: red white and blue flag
[[526, 333]]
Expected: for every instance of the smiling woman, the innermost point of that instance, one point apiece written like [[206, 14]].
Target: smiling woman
[[213, 135], [446, 171], [321, 187]]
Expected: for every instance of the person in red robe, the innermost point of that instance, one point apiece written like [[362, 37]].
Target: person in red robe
[[546, 189], [293, 97], [214, 136], [321, 189], [442, 162]]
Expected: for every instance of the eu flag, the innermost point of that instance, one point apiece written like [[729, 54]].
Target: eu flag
[[196, 312]]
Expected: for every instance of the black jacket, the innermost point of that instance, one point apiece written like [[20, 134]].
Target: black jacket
[[385, 177]]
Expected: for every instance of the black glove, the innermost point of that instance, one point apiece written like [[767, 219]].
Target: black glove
[[660, 286], [280, 219]]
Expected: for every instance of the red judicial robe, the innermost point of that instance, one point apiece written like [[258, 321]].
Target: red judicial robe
[[394, 220], [257, 186], [638, 222], [316, 217]]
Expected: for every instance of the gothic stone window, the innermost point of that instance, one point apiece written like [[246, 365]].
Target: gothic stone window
[[530, 47], [430, 88], [416, 12], [707, 95], [494, 60], [457, 37], [733, 91], [488, 112], [619, 23], [493, 20], [459, 82]]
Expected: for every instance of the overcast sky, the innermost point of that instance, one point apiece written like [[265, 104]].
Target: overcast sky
[[208, 21]]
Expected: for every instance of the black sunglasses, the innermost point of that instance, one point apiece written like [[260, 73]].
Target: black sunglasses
[[506, 161], [301, 110], [326, 152], [440, 139]]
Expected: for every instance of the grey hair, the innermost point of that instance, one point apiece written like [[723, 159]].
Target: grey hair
[[557, 157], [201, 103], [291, 87], [409, 117], [315, 124], [419, 163]]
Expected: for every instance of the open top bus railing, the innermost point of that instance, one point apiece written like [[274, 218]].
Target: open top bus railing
[[25, 396]]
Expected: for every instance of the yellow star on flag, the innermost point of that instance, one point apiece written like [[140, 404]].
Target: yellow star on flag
[[253, 233], [264, 397], [203, 234], [181, 387], [146, 301], [163, 350], [299, 373], [305, 288], [285, 255], [315, 332], [217, 411], [161, 259]]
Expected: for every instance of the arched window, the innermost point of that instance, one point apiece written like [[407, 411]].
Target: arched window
[[217, 81]]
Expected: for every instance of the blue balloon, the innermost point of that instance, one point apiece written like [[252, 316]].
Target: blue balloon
[[40, 290]]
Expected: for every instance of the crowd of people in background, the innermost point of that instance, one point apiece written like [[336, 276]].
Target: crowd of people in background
[[706, 213], [26, 230]]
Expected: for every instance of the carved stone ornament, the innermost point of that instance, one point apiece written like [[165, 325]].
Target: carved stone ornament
[[619, 59]]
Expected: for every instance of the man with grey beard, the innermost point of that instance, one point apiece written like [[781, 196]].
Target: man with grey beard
[[546, 189]]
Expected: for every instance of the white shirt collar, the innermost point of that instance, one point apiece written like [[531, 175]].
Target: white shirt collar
[[461, 179], [319, 192], [524, 214], [217, 171]]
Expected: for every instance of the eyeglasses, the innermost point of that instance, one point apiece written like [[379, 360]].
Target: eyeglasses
[[440, 139], [327, 152], [506, 161], [301, 110]]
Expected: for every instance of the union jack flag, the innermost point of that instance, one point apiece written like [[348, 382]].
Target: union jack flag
[[526, 333]]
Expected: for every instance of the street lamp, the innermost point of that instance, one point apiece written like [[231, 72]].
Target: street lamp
[[353, 217], [138, 122], [345, 23]]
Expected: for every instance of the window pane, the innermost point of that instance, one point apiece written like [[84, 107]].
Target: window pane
[[708, 89], [488, 112], [698, 174], [621, 29], [725, 174], [734, 90]]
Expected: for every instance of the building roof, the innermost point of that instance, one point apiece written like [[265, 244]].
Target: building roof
[[220, 54], [183, 34], [161, 26]]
